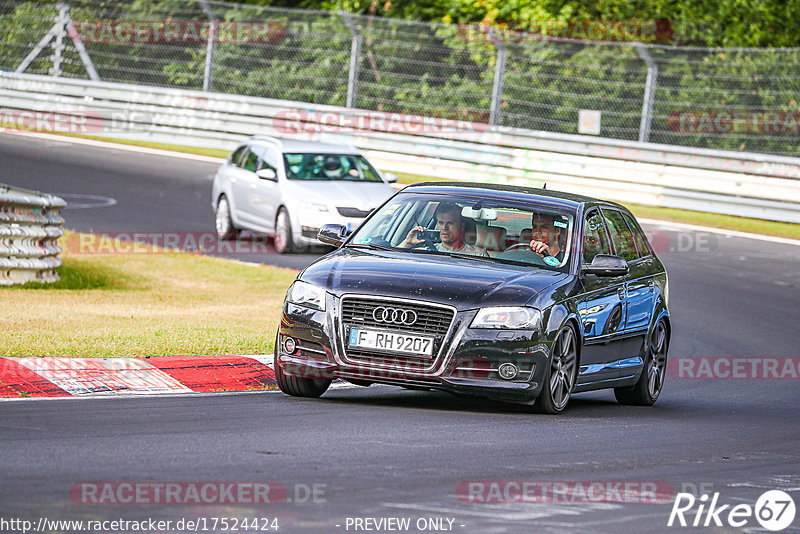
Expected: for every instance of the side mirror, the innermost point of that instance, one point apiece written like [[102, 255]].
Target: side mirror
[[606, 265], [267, 174], [390, 177], [332, 234]]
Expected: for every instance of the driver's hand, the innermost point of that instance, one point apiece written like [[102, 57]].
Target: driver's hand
[[540, 247], [412, 239]]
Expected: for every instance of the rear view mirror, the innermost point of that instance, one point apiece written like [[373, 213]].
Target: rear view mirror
[[332, 234], [267, 174], [606, 265], [483, 214]]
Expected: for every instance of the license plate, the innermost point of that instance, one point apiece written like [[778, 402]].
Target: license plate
[[391, 342]]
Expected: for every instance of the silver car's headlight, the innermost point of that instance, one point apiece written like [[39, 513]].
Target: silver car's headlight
[[510, 317], [305, 294]]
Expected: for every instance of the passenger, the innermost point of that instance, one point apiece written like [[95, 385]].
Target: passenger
[[545, 236], [451, 226]]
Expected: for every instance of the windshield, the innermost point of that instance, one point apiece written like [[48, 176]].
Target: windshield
[[351, 168], [498, 231]]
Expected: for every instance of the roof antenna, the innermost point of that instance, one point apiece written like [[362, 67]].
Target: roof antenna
[[544, 186]]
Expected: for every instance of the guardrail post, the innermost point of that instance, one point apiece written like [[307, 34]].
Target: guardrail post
[[499, 75], [208, 74], [649, 92], [355, 56]]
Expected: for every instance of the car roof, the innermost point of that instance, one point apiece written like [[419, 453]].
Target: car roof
[[511, 192], [304, 146]]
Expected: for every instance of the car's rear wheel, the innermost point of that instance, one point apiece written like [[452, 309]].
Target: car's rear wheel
[[560, 378], [222, 220], [284, 241], [648, 388]]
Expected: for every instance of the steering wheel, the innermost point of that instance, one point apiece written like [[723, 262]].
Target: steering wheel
[[524, 252], [519, 245]]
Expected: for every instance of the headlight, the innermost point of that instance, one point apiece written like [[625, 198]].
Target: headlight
[[512, 317], [304, 294], [314, 206]]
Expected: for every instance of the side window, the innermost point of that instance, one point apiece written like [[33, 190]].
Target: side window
[[269, 160], [250, 162], [237, 155], [595, 238], [641, 241], [621, 235]]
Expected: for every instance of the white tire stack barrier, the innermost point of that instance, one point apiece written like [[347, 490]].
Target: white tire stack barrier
[[30, 225]]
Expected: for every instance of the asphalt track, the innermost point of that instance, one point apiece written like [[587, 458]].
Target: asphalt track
[[385, 452]]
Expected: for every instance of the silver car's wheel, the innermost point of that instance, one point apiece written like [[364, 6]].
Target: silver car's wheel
[[561, 376], [222, 220], [648, 388], [284, 242]]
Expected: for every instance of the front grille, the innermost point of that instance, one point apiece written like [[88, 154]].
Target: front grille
[[353, 212], [431, 321]]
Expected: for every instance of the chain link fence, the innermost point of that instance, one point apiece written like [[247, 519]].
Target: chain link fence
[[739, 99]]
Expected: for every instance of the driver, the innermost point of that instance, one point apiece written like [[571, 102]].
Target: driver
[[451, 226], [332, 167], [545, 236]]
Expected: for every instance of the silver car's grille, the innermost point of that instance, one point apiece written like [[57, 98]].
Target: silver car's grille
[[431, 320], [353, 212]]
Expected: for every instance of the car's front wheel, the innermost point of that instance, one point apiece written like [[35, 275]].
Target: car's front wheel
[[560, 378], [222, 219], [284, 241], [295, 385], [651, 382], [300, 387]]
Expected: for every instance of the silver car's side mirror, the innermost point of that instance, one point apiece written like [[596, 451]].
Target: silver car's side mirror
[[267, 174], [390, 177]]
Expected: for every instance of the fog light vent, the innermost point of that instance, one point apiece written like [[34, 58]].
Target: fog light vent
[[508, 371]]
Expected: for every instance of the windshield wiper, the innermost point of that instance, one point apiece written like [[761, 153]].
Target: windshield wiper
[[372, 247], [472, 256]]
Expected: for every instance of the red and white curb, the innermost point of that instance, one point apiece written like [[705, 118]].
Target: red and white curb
[[68, 377]]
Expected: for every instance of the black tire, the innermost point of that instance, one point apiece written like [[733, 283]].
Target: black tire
[[651, 382], [560, 377], [223, 222], [296, 386], [284, 240]]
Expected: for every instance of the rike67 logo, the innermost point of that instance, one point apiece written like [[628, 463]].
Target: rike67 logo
[[774, 510]]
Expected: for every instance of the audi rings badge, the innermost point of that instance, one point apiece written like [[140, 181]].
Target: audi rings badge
[[383, 314]]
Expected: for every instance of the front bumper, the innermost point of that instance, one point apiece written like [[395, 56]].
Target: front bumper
[[468, 362]]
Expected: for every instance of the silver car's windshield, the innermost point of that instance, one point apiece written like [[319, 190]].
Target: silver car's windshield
[[490, 229], [349, 167]]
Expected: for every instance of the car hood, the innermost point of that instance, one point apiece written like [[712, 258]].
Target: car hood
[[463, 283], [360, 195]]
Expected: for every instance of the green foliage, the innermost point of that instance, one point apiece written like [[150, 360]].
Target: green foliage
[[444, 67]]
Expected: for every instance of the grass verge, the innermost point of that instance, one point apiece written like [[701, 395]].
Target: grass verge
[[145, 304]]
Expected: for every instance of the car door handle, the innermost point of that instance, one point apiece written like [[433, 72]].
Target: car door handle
[[252, 186]]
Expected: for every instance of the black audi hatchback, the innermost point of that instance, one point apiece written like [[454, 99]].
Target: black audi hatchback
[[517, 294]]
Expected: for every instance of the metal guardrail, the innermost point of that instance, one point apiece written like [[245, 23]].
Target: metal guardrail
[[735, 183], [30, 225]]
